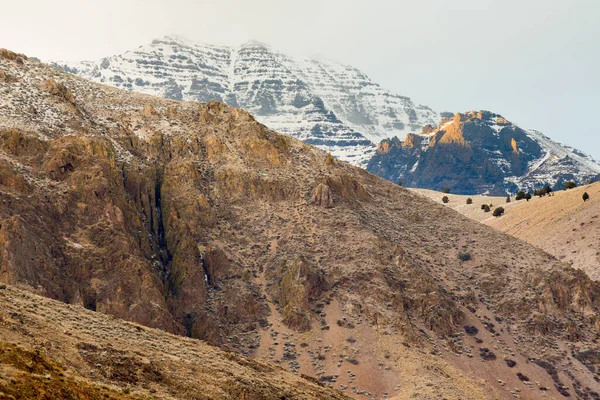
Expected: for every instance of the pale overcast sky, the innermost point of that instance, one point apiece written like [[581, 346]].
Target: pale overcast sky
[[537, 62]]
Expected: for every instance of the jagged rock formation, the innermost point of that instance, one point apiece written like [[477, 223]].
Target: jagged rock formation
[[480, 152], [196, 219], [333, 106]]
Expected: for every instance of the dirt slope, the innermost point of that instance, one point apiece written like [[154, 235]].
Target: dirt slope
[[64, 351], [561, 224], [195, 219]]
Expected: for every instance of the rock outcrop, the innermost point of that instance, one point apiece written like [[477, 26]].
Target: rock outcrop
[[322, 196], [480, 152]]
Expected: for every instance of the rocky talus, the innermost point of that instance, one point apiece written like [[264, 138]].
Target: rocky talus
[[196, 219]]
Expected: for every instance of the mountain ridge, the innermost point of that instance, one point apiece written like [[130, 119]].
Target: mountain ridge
[[330, 105], [480, 152], [196, 219]]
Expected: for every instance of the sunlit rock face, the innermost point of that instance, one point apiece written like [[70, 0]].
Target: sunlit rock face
[[480, 152]]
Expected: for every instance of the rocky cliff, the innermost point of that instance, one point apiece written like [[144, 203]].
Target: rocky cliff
[[480, 152], [196, 219]]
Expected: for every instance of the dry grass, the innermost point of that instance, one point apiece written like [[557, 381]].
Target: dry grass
[[561, 224], [51, 348]]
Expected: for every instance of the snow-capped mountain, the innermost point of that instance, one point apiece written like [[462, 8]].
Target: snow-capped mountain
[[338, 108], [333, 106], [481, 152]]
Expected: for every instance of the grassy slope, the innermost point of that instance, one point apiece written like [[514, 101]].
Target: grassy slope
[[562, 224]]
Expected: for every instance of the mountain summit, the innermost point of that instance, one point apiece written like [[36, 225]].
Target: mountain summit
[[333, 106], [480, 152]]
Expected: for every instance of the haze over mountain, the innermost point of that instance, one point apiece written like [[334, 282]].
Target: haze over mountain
[[196, 219]]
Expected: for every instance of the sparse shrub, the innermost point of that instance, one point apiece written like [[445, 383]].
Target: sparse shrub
[[446, 190], [570, 185], [498, 211], [471, 330], [585, 196], [508, 199], [510, 363], [520, 195], [543, 191], [464, 256], [522, 377], [399, 183], [485, 208], [445, 199], [486, 354], [469, 201]]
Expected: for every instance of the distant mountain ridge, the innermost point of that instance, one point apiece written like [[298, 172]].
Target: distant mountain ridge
[[333, 106], [480, 152]]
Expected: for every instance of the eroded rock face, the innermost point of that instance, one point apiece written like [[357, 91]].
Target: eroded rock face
[[322, 196]]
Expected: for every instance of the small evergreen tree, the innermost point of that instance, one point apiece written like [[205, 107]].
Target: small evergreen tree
[[445, 199], [498, 211], [508, 199], [485, 208], [570, 185], [446, 190], [520, 195], [469, 201], [528, 196], [399, 183], [585, 196]]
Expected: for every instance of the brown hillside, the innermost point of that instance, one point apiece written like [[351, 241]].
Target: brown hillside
[[562, 224], [51, 350], [195, 219]]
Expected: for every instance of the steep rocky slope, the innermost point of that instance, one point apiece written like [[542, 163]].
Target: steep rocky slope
[[480, 152], [196, 219], [327, 104], [49, 350], [562, 224]]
